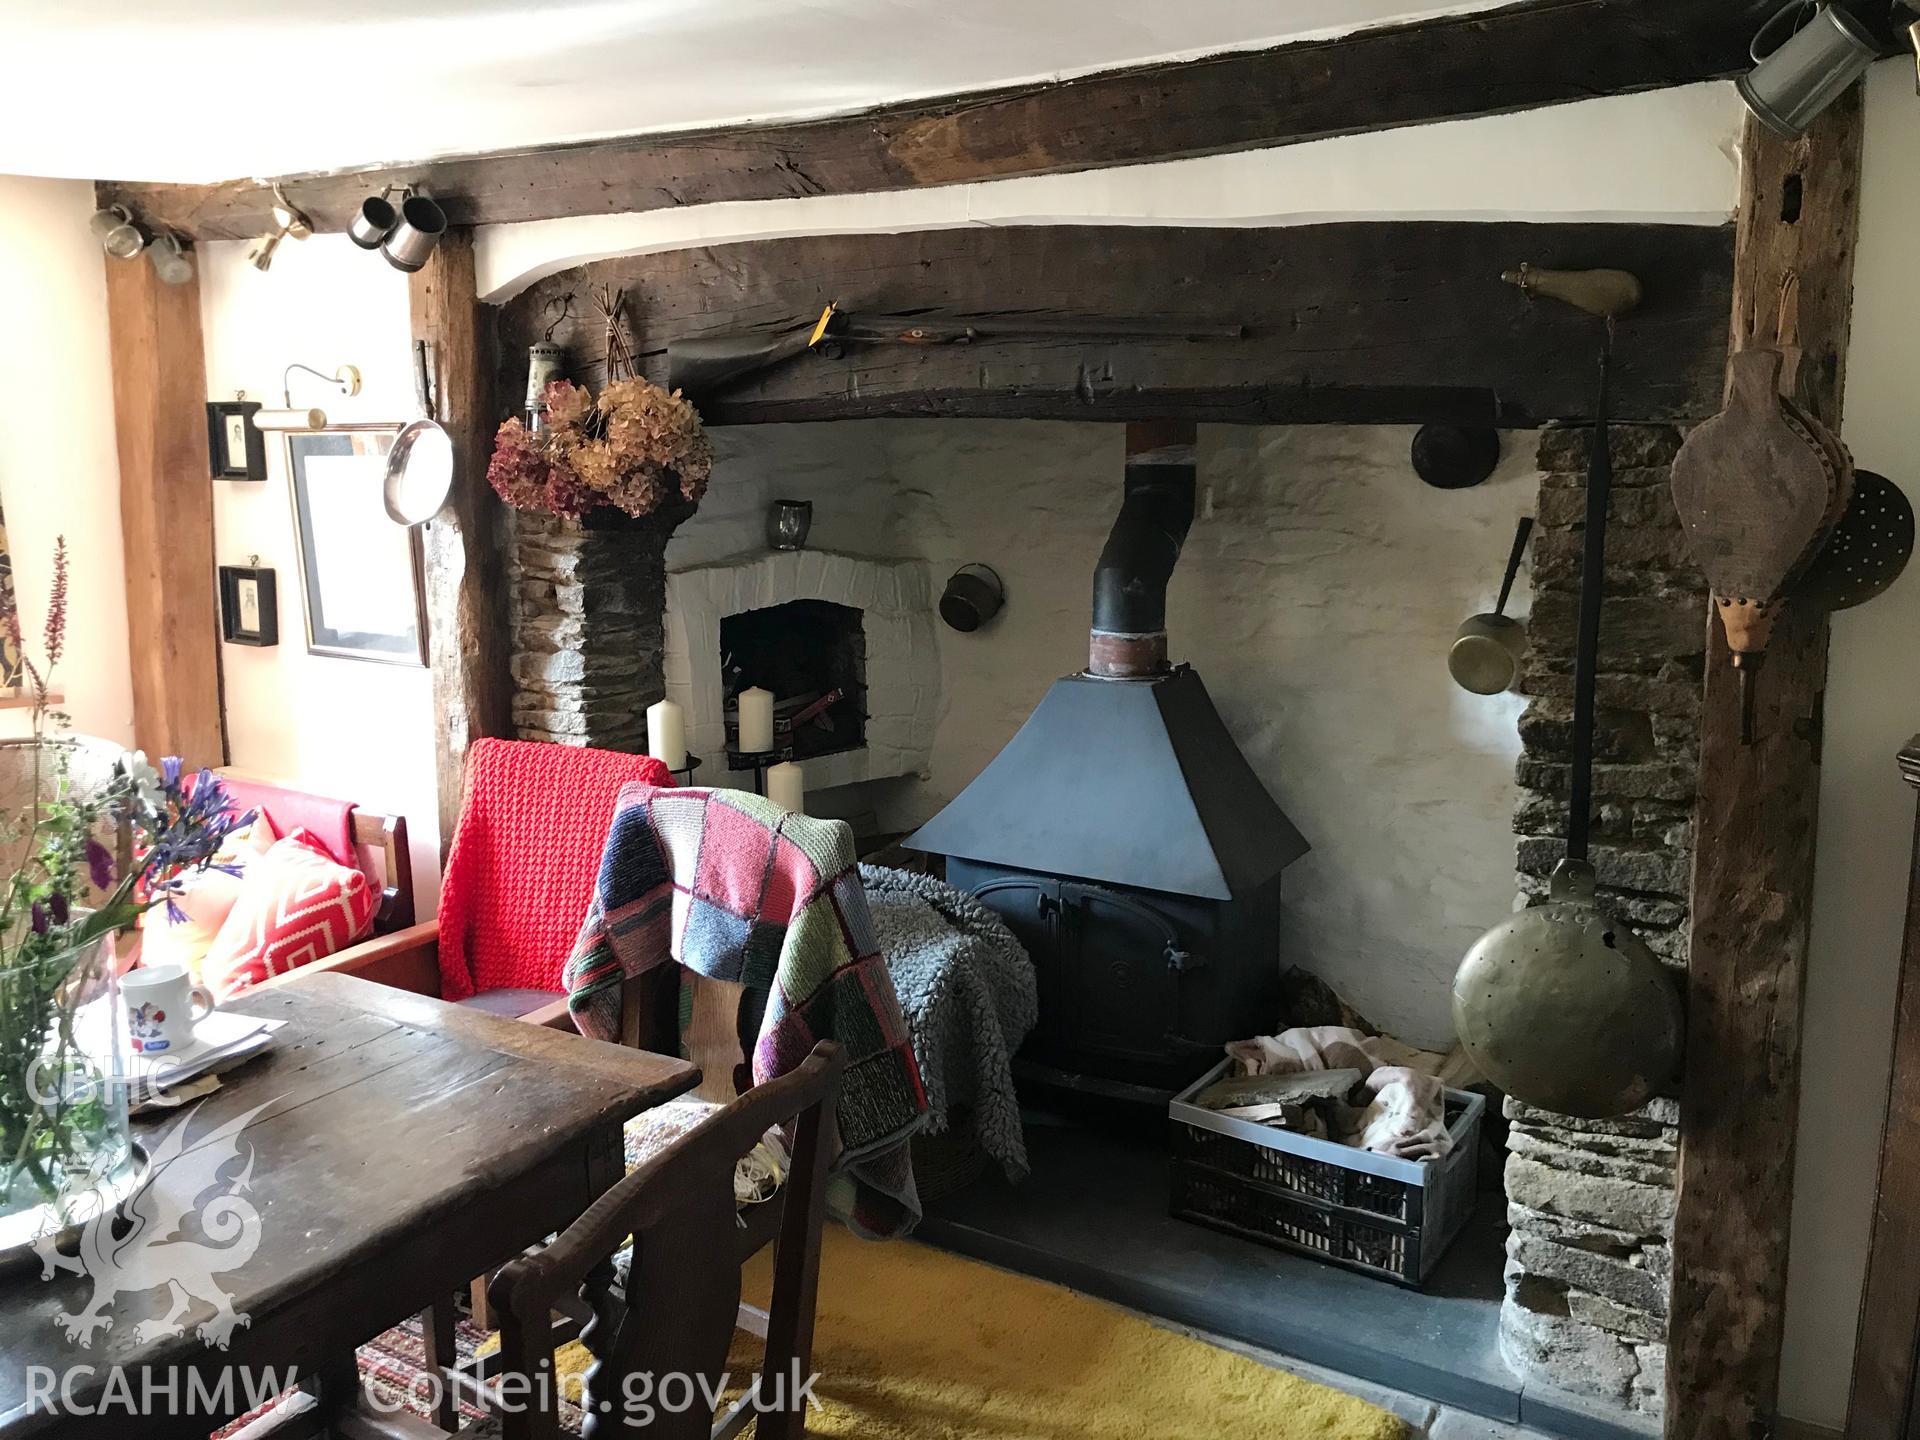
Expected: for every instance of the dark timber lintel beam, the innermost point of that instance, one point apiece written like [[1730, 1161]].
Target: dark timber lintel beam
[[1540, 52], [1394, 322]]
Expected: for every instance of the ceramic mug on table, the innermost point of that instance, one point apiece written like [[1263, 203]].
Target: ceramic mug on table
[[160, 1001]]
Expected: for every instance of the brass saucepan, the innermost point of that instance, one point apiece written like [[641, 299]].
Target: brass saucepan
[[1488, 648]]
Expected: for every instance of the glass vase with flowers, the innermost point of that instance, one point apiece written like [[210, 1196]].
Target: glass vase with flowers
[[93, 837]]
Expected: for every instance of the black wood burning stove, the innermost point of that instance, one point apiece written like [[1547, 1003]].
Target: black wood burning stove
[[1124, 838]]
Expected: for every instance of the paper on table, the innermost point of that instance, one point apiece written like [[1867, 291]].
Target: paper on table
[[221, 1031]]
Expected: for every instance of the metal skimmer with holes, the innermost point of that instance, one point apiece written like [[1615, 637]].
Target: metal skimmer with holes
[[1866, 551]]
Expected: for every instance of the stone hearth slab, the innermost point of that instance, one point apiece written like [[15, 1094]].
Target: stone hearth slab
[[1093, 1216]]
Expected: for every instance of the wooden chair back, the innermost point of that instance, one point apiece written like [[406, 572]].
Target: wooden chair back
[[384, 837], [677, 1317]]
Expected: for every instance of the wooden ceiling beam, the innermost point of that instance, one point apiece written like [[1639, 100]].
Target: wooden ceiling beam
[[1390, 322], [1540, 52]]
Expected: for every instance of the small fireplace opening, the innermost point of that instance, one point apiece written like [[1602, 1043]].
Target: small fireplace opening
[[812, 655]]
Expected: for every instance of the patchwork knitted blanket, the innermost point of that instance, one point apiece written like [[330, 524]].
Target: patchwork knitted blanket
[[734, 888], [969, 993]]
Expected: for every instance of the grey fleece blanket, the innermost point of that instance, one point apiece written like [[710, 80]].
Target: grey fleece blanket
[[968, 991]]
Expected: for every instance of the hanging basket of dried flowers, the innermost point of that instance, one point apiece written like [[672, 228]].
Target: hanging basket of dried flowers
[[631, 448]]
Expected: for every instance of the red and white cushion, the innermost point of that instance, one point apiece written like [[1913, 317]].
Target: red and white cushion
[[298, 905], [204, 903]]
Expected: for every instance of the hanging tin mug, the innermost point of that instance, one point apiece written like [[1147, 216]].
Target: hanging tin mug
[[1802, 68], [373, 222], [412, 240]]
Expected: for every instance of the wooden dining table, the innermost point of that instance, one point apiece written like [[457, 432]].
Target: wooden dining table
[[398, 1147]]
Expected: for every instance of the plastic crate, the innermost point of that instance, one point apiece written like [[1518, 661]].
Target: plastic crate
[[1373, 1213]]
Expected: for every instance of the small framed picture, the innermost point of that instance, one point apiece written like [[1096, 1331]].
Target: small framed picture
[[361, 574], [249, 608], [235, 447]]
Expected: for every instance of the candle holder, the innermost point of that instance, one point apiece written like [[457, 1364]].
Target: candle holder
[[758, 761], [685, 773]]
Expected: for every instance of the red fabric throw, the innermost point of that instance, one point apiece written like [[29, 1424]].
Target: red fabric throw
[[525, 855]]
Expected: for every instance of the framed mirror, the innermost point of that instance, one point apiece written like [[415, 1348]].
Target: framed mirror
[[360, 574]]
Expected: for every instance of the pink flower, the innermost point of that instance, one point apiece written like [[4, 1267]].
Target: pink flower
[[567, 403], [518, 469], [567, 495]]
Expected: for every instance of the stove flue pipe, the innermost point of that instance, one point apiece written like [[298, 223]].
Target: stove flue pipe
[[1129, 640]]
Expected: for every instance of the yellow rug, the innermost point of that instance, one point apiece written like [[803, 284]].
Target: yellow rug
[[915, 1344]]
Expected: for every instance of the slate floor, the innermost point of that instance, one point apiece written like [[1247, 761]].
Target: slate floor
[[1092, 1216]]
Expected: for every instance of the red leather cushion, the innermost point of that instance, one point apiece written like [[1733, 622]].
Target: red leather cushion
[[296, 906], [330, 821]]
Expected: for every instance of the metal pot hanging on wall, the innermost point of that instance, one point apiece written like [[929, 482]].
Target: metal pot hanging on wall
[[1562, 1005], [1488, 648]]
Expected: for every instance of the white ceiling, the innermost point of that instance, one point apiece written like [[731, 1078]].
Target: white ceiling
[[198, 90]]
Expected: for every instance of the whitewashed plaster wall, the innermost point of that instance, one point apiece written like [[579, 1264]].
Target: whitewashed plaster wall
[[1317, 596], [353, 729], [59, 469], [1866, 812]]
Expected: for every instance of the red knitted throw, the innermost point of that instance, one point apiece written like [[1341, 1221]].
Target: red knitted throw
[[525, 854]]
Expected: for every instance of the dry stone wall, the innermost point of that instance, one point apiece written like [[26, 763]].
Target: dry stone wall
[[586, 607], [1591, 1202]]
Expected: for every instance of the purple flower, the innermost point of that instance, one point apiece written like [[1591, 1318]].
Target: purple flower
[[170, 772], [40, 921], [57, 903], [99, 864], [56, 636]]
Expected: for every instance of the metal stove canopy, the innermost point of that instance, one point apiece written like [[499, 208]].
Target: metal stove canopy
[[1130, 782]]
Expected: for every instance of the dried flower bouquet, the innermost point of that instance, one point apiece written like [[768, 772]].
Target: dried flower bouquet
[[630, 448]]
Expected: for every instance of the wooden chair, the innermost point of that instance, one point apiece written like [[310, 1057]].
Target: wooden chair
[[503, 778], [681, 1307]]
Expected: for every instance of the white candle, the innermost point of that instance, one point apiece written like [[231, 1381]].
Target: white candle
[[667, 734], [756, 721], [787, 787]]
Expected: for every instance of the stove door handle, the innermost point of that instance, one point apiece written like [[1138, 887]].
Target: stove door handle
[[1047, 907], [1181, 961]]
